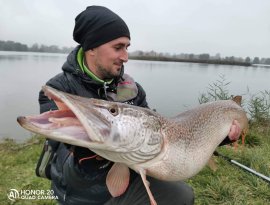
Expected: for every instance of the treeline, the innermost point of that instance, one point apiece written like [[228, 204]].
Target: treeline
[[143, 55], [198, 58], [15, 46]]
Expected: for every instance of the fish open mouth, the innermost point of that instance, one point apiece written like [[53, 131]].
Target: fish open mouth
[[63, 122], [70, 122]]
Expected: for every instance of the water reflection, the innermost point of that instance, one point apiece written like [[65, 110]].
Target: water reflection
[[13, 57], [19, 56]]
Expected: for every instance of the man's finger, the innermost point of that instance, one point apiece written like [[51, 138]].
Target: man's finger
[[235, 131]]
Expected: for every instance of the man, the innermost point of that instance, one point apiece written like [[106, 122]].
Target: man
[[95, 69]]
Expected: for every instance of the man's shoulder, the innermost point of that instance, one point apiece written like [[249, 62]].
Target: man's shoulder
[[66, 82], [59, 82]]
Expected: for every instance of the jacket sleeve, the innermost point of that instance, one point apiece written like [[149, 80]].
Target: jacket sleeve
[[226, 141], [59, 83], [45, 104], [141, 97]]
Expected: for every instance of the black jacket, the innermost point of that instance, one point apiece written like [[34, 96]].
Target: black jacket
[[72, 182]]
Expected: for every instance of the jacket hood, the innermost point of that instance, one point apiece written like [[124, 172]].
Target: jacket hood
[[71, 65]]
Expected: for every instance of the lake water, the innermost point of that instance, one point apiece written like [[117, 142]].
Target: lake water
[[171, 87]]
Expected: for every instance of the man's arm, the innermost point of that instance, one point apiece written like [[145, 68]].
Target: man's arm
[[45, 104], [141, 97]]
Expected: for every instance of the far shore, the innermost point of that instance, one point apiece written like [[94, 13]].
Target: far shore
[[209, 61], [170, 59]]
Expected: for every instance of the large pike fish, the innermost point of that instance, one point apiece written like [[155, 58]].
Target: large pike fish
[[170, 149]]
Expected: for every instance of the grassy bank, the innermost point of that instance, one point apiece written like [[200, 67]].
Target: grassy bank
[[17, 165]]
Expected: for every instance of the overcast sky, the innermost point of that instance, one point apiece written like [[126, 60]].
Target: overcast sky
[[229, 27]]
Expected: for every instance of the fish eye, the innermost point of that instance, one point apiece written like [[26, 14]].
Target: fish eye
[[113, 111]]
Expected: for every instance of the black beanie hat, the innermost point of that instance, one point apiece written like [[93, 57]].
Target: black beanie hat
[[97, 25]]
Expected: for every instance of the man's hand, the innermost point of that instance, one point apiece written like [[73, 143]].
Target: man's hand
[[235, 131]]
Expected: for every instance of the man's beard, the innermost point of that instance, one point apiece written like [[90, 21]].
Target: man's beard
[[107, 75]]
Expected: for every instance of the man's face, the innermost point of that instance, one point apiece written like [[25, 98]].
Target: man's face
[[109, 58]]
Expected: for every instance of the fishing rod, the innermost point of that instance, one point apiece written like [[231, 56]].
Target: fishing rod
[[243, 167]]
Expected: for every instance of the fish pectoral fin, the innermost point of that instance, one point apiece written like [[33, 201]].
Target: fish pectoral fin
[[212, 164], [147, 185], [117, 179]]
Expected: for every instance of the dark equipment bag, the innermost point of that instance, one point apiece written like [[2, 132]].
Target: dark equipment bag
[[43, 168]]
